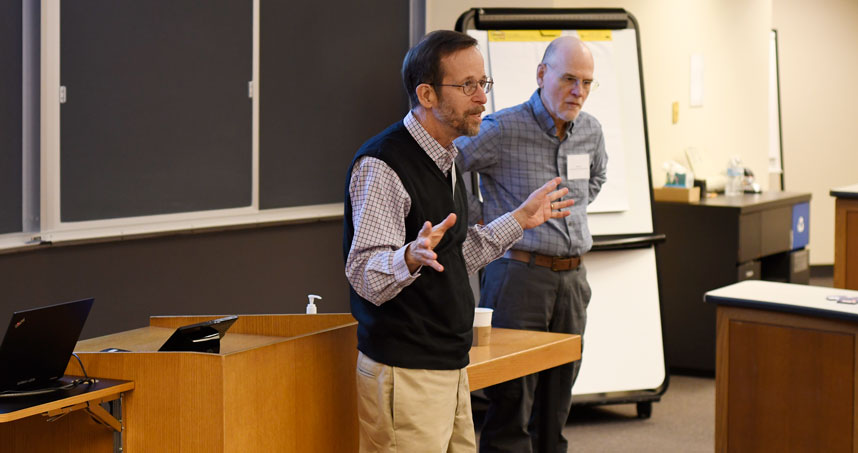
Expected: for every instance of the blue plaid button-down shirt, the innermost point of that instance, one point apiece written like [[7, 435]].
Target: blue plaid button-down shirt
[[517, 151]]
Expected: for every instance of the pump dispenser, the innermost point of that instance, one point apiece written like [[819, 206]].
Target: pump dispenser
[[311, 306]]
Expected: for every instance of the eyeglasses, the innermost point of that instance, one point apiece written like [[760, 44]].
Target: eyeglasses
[[569, 81], [470, 87]]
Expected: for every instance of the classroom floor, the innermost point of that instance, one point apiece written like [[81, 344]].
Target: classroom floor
[[684, 420]]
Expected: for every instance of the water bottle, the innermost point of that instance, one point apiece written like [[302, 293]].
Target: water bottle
[[735, 174]]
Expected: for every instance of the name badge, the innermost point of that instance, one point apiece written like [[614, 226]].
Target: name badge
[[578, 166]]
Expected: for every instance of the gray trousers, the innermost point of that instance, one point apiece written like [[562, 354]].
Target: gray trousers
[[528, 414]]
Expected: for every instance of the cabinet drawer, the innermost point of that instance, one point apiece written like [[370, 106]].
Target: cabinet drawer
[[748, 271], [750, 227], [776, 230], [764, 233]]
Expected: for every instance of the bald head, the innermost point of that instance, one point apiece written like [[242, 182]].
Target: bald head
[[566, 47], [565, 77]]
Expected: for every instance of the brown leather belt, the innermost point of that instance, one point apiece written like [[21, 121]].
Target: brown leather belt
[[555, 263]]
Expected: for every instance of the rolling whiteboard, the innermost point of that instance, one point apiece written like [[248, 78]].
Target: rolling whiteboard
[[623, 206], [622, 347]]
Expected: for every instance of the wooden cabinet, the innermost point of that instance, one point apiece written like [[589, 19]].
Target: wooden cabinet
[[846, 237], [716, 242], [786, 377]]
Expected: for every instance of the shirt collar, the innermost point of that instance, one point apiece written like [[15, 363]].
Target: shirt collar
[[443, 157], [543, 118]]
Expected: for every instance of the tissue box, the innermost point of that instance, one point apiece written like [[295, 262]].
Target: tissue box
[[676, 194]]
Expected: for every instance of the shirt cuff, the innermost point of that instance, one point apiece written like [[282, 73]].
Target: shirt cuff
[[400, 268], [507, 229]]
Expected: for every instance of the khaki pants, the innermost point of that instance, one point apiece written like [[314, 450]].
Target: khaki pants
[[413, 411]]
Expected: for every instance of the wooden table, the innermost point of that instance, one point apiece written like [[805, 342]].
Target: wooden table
[[22, 432], [846, 237], [516, 353], [787, 368]]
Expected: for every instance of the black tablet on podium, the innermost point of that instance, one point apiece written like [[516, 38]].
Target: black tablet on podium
[[200, 337]]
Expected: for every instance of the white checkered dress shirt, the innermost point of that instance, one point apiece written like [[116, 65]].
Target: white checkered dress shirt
[[376, 265]]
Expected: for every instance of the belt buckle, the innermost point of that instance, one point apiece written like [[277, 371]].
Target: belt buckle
[[556, 264]]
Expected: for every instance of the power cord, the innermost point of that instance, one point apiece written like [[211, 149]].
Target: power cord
[[82, 368]]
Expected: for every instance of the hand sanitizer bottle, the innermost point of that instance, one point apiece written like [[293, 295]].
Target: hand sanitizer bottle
[[311, 306]]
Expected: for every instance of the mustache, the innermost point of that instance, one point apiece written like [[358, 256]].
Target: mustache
[[476, 110]]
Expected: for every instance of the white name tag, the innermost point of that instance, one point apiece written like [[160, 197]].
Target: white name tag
[[577, 166]]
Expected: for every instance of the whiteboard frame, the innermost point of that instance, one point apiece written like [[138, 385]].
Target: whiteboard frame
[[607, 225]]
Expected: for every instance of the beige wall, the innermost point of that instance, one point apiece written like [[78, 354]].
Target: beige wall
[[732, 36], [819, 106], [816, 42]]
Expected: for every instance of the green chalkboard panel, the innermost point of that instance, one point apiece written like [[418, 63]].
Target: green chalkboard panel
[[10, 116], [157, 117]]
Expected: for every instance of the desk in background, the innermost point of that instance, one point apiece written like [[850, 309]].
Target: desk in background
[[786, 378], [846, 237], [715, 242], [66, 423]]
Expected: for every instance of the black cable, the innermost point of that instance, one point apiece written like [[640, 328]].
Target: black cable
[[74, 354]]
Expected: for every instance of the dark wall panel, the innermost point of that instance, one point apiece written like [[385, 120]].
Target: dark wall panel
[[158, 117], [10, 115], [329, 76], [264, 270]]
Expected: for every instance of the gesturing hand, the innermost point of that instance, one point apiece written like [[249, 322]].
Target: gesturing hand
[[541, 205], [421, 251]]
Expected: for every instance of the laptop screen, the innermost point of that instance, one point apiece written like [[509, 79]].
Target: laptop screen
[[38, 343]]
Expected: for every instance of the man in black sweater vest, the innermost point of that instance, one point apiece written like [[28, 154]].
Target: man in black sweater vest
[[408, 259]]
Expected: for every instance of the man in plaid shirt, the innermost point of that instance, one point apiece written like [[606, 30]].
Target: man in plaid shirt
[[409, 251]]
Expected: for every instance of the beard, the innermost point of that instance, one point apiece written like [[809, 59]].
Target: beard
[[463, 124]]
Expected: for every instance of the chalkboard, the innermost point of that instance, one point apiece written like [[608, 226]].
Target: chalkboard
[[10, 115], [157, 118], [329, 80]]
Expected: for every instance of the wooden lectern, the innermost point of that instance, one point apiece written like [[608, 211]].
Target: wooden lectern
[[279, 383]]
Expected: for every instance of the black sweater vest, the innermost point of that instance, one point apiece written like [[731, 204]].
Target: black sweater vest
[[428, 325]]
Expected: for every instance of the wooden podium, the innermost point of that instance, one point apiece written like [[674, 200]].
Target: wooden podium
[[280, 383], [283, 383]]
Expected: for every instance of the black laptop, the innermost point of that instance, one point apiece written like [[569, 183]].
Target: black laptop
[[38, 343]]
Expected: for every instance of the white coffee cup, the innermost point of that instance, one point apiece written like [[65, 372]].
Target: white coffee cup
[[483, 317]]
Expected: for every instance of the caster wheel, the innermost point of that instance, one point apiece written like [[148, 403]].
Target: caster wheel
[[644, 409]]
